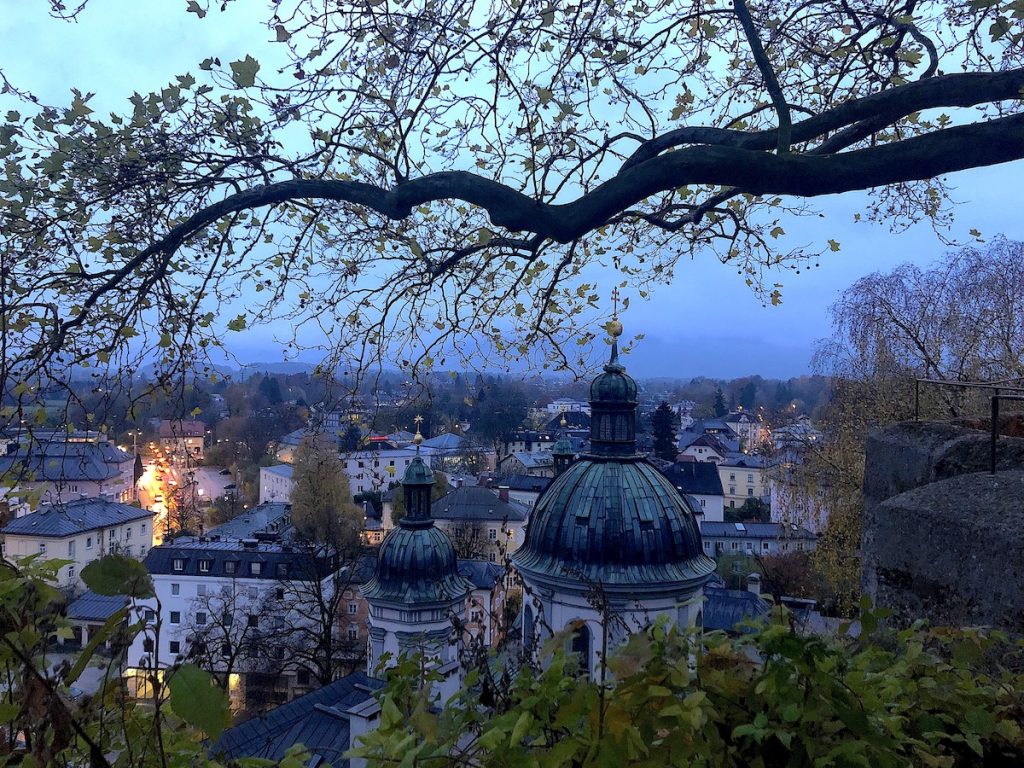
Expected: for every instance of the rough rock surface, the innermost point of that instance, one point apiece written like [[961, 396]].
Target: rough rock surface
[[944, 539]]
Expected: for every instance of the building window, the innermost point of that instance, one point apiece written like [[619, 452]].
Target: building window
[[491, 557], [352, 607], [750, 477], [282, 570], [353, 633], [750, 491], [800, 546], [255, 568], [493, 534], [175, 589], [229, 567], [764, 546], [128, 532], [179, 564], [88, 542], [279, 594], [302, 677], [225, 650], [735, 545], [750, 546], [254, 620], [149, 615], [42, 548], [732, 476], [475, 615], [142, 550], [71, 548], [201, 618], [200, 590], [175, 617], [175, 646], [71, 572], [785, 546], [110, 535], [142, 528], [254, 593], [204, 566], [703, 502], [732, 490]]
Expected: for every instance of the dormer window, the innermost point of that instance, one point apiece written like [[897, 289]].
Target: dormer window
[[178, 564], [204, 566]]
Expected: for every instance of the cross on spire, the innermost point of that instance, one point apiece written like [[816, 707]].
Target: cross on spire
[[615, 303]]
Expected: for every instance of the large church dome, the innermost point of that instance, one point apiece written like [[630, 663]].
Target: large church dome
[[611, 517]]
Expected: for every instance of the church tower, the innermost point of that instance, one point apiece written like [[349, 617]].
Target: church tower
[[610, 524], [562, 453], [416, 589]]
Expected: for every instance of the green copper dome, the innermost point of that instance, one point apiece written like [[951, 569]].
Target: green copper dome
[[611, 517], [417, 562], [614, 522]]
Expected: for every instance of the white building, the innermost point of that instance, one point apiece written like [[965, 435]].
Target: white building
[[80, 531], [742, 479], [232, 602], [481, 522], [568, 404], [276, 483], [376, 470], [755, 539]]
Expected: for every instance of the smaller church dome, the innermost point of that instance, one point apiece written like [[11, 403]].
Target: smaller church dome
[[417, 562], [614, 385]]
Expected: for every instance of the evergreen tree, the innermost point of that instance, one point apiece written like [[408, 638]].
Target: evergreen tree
[[719, 406], [270, 388], [663, 424]]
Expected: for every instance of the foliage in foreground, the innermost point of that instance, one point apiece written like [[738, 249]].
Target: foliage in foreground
[[922, 697]]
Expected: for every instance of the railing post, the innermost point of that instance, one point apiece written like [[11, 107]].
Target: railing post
[[995, 430]]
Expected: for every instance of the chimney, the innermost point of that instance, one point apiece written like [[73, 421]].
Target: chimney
[[458, 482], [503, 493], [754, 584]]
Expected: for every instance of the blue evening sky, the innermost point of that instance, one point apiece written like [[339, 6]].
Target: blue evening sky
[[706, 323]]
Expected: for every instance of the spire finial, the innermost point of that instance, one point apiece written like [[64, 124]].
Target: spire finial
[[563, 422], [614, 326], [418, 438]]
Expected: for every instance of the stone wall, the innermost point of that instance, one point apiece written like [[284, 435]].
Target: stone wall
[[943, 539]]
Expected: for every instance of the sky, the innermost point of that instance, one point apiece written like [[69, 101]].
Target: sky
[[706, 323]]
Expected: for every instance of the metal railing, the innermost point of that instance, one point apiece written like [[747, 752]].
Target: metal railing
[[1003, 389]]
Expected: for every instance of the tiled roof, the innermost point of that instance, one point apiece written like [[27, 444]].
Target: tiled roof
[[482, 573], [74, 517], [282, 470], [709, 528], [445, 442], [695, 477], [725, 609], [524, 483], [93, 607], [534, 458], [316, 720], [743, 461], [178, 428], [260, 519], [59, 461], [472, 502]]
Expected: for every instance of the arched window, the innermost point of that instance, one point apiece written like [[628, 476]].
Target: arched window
[[528, 629], [581, 647]]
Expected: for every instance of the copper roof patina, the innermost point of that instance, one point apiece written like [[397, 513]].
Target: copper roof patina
[[611, 517], [417, 563]]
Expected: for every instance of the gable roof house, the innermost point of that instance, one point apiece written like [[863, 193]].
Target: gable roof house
[[79, 531]]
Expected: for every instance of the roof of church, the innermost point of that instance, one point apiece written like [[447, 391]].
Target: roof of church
[[611, 517], [416, 562]]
